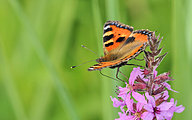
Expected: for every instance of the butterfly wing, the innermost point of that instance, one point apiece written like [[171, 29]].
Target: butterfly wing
[[134, 45], [131, 47], [114, 35]]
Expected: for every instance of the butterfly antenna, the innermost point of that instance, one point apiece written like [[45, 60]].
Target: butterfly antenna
[[82, 63], [89, 50]]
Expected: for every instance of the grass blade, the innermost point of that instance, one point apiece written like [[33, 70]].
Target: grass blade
[[181, 64], [62, 93]]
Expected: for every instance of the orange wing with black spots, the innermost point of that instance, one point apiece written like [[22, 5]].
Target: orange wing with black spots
[[121, 44], [114, 34], [135, 44]]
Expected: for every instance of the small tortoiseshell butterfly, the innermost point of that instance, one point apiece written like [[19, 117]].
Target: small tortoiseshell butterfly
[[121, 44]]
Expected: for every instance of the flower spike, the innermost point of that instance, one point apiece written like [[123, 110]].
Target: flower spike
[[146, 96]]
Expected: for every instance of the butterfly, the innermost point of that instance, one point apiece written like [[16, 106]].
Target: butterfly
[[121, 44]]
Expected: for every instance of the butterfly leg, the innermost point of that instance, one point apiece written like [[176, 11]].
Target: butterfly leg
[[108, 76], [138, 59], [121, 73], [135, 65]]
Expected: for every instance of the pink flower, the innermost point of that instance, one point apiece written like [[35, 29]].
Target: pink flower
[[129, 88], [117, 103], [160, 112], [123, 116], [169, 87], [165, 95], [154, 105], [137, 112], [163, 77], [174, 108], [177, 109]]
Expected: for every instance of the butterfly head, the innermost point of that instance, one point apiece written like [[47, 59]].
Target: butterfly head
[[101, 59], [98, 60]]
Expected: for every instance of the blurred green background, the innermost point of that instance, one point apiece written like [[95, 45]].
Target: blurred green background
[[41, 39]]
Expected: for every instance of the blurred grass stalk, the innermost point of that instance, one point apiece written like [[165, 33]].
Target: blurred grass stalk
[[188, 31], [10, 86], [61, 92], [108, 86], [112, 13], [181, 44], [188, 34]]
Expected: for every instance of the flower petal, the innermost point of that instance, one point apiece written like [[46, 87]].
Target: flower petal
[[130, 107], [143, 115], [155, 72], [172, 100], [151, 100], [169, 87], [123, 116], [179, 109], [149, 116], [134, 74], [146, 80], [139, 106], [128, 101], [149, 108], [165, 106], [159, 117], [174, 108], [167, 114], [140, 98], [122, 109], [123, 91], [165, 95], [117, 103]]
